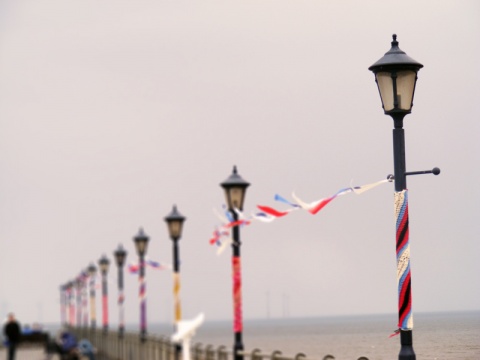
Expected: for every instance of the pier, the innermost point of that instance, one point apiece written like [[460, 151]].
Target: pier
[[112, 345]]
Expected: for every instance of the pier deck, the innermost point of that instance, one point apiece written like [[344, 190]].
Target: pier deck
[[28, 353]]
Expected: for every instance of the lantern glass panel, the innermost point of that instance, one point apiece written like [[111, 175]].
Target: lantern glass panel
[[385, 87], [235, 197], [120, 258], [141, 246], [405, 88], [175, 228]]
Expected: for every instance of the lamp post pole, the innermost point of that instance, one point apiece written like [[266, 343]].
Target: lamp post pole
[[235, 188], [141, 242], [104, 264], [92, 271], [396, 76], [78, 289], [174, 222], [70, 304], [84, 278], [63, 303], [120, 255]]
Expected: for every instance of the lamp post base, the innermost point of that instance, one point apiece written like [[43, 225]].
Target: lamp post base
[[406, 342], [238, 351]]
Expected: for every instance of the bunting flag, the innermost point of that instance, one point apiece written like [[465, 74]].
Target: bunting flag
[[221, 235], [133, 268]]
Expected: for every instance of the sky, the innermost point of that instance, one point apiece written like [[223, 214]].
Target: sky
[[111, 112]]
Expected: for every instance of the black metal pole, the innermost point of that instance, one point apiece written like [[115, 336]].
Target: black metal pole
[[399, 159], [78, 288], [143, 305], [121, 322], [237, 291], [93, 313], [176, 290], [62, 305], [406, 339]]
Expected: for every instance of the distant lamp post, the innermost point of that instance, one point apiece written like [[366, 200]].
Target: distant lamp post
[[104, 264], [92, 273], [141, 242], [84, 277], [235, 188], [396, 77], [70, 303], [78, 289], [63, 304], [174, 222], [120, 256]]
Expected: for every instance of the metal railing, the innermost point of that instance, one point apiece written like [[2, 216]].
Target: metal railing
[[110, 346]]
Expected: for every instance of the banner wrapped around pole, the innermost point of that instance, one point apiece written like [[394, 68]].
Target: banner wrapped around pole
[[176, 297], [405, 316], [237, 294], [143, 300]]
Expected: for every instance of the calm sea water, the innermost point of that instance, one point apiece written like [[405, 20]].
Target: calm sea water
[[441, 336]]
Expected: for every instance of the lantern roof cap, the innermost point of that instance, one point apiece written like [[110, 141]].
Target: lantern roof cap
[[174, 215], [234, 180], [395, 57]]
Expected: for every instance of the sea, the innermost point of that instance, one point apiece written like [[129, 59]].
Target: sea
[[436, 336]]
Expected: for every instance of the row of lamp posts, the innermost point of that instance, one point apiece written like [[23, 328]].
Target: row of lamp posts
[[235, 188], [68, 311], [396, 76]]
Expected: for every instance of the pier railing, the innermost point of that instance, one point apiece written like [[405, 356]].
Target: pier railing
[[110, 346]]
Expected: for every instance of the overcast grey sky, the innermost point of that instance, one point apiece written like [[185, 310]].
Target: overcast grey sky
[[113, 111]]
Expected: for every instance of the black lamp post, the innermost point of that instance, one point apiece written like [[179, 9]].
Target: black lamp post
[[396, 76], [63, 304], [175, 225], [141, 242], [104, 264], [78, 289], [84, 277], [92, 272], [120, 256], [235, 188], [70, 303]]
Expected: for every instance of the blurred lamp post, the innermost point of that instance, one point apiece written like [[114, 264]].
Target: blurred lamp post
[[92, 272], [120, 255], [78, 289], [104, 264], [84, 278], [63, 304], [175, 225], [141, 242], [70, 303], [396, 76], [235, 188]]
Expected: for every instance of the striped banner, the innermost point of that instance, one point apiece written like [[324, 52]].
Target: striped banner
[[105, 310], [93, 312], [121, 312], [176, 297], [71, 306], [405, 316], [237, 294], [85, 302], [143, 305]]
